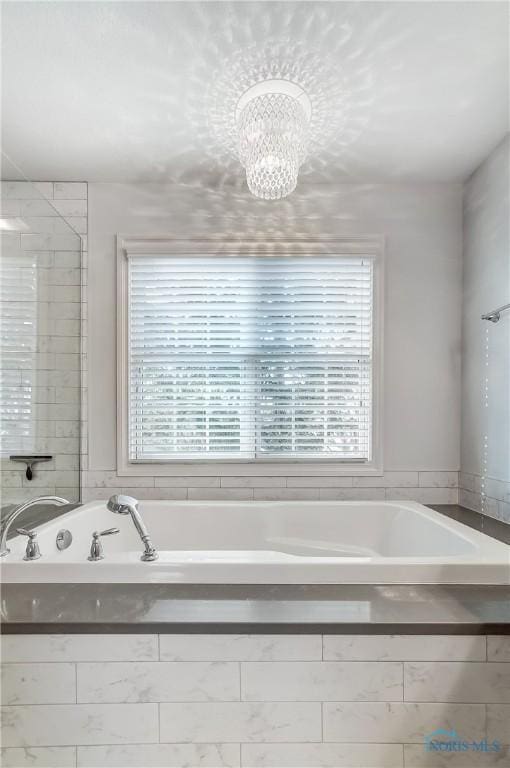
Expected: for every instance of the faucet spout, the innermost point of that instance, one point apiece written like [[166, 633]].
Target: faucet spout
[[11, 517]]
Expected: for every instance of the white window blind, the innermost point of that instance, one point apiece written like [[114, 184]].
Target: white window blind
[[249, 357], [18, 344]]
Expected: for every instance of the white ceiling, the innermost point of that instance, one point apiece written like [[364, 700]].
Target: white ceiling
[[114, 91]]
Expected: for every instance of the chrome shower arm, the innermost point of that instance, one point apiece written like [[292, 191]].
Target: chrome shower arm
[[495, 315]]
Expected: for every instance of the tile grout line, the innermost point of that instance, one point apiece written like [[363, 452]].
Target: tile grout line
[[221, 742], [212, 702]]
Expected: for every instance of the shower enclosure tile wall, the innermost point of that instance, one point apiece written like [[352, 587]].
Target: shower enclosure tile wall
[[485, 442], [41, 276]]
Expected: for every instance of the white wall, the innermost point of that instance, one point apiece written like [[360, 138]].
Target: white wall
[[486, 286], [423, 225]]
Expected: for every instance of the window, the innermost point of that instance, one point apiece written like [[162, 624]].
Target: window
[[248, 356], [18, 346]]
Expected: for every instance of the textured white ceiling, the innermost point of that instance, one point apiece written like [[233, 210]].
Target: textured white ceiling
[[103, 91]]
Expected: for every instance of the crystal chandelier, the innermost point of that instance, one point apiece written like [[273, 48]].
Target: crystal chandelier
[[272, 121]]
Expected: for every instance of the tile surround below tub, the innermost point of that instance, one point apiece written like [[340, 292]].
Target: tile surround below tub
[[36, 683], [241, 722], [73, 648], [404, 648], [160, 756], [147, 681], [456, 681], [67, 725], [240, 647], [321, 755], [322, 681], [416, 756], [400, 721], [38, 757], [498, 648], [498, 721], [227, 734]]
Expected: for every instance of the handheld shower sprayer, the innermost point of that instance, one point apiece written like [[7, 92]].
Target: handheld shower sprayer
[[127, 505]]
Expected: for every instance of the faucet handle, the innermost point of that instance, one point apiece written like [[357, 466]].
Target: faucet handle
[[96, 548], [24, 532], [107, 532], [32, 551]]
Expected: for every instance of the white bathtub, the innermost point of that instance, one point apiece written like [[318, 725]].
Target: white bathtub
[[268, 543]]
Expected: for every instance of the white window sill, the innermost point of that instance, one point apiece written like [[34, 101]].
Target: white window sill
[[248, 469]]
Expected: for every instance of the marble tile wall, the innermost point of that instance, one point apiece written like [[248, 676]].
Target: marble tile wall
[[495, 500], [425, 487], [49, 372], [152, 701]]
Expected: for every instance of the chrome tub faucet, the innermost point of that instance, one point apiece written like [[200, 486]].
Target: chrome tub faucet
[[127, 505], [96, 548], [32, 552], [11, 517]]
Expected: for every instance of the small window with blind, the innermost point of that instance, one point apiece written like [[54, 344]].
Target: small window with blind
[[243, 356], [18, 347]]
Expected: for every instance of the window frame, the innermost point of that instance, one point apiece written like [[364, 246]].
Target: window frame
[[371, 246]]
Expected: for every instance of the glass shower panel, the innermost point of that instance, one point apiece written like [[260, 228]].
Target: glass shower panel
[[40, 337], [495, 480]]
